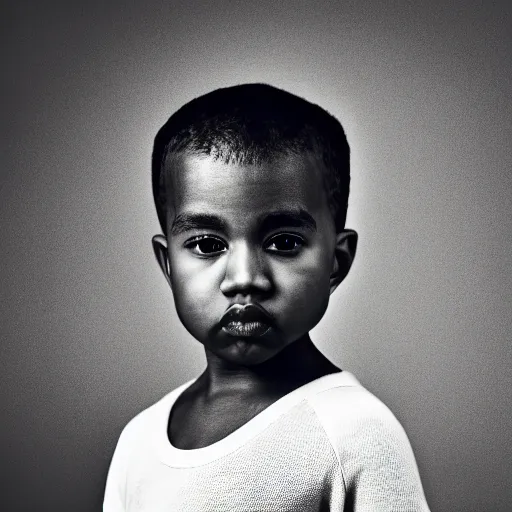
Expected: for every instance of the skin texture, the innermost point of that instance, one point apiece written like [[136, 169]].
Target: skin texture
[[288, 270]]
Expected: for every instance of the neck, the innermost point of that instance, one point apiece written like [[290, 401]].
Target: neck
[[295, 365]]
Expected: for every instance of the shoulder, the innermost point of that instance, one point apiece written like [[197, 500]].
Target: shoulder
[[362, 429], [373, 451], [141, 426], [351, 407], [134, 448]]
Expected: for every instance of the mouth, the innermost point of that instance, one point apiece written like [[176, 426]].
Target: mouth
[[246, 329], [250, 320]]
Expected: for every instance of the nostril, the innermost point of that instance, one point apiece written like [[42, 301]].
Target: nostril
[[232, 286], [246, 284]]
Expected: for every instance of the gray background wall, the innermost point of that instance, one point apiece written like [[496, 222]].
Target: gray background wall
[[89, 333]]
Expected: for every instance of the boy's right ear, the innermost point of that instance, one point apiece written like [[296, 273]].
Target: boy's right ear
[[162, 256]]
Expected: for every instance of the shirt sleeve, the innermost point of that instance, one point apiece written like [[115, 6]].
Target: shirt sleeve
[[379, 469], [115, 488], [375, 458]]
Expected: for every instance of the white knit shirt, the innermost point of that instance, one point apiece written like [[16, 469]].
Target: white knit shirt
[[329, 445]]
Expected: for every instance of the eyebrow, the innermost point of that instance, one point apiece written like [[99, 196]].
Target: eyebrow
[[188, 221], [299, 218]]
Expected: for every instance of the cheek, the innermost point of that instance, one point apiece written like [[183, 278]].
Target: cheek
[[313, 270], [310, 295], [305, 289], [194, 290]]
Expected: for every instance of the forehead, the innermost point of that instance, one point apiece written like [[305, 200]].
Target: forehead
[[205, 184]]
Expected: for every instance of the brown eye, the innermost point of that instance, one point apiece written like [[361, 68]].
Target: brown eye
[[285, 243], [206, 245]]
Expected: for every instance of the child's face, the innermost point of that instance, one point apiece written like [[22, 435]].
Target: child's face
[[249, 253]]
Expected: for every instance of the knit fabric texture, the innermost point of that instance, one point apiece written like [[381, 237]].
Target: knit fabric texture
[[329, 445]]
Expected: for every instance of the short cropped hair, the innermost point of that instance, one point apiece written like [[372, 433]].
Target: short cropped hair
[[250, 124]]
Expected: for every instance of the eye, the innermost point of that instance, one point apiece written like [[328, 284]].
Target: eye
[[206, 244], [285, 243]]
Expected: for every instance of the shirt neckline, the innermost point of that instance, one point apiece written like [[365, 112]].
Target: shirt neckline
[[176, 457]]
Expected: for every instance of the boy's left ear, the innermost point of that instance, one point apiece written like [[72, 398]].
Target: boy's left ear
[[345, 251]]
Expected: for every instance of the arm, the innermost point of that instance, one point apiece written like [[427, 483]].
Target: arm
[[115, 489], [381, 474], [375, 459]]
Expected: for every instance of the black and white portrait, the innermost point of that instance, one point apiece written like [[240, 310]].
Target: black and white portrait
[[336, 220]]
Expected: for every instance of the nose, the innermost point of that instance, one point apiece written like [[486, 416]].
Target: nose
[[245, 271]]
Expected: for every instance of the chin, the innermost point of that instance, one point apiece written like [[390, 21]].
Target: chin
[[245, 352]]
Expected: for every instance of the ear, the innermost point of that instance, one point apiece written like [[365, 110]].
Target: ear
[[162, 256], [344, 253]]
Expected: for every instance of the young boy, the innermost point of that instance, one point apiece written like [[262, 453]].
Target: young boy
[[251, 186]]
